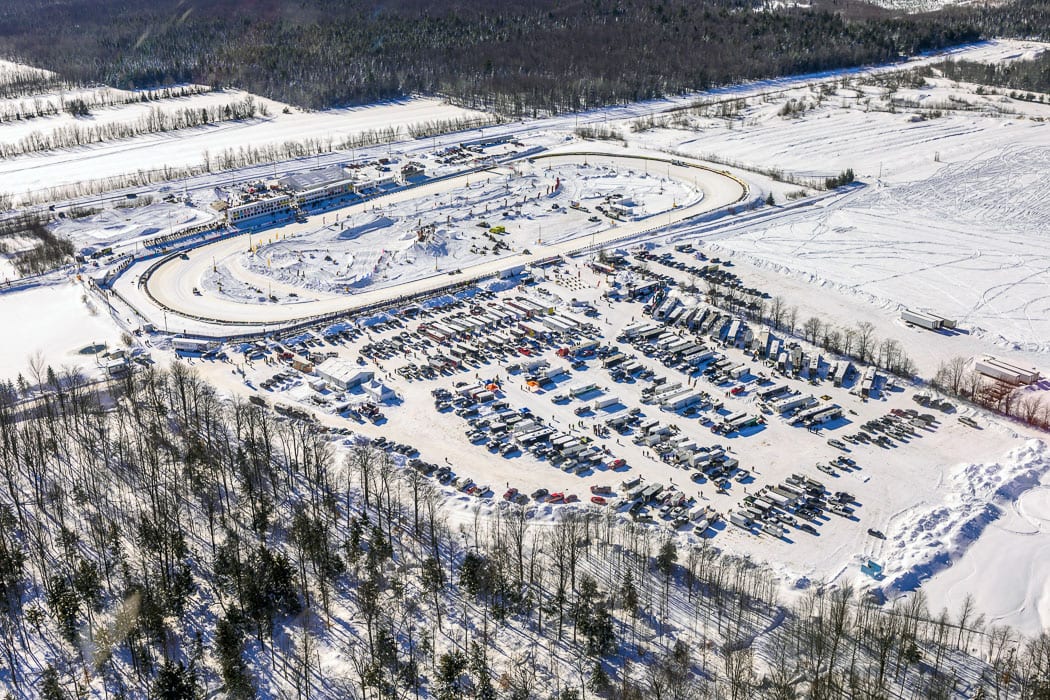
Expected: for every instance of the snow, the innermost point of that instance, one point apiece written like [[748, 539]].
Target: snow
[[172, 284], [988, 539], [130, 225], [56, 322], [189, 147], [948, 218], [13, 131]]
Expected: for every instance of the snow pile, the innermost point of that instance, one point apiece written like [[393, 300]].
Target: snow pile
[[932, 538]]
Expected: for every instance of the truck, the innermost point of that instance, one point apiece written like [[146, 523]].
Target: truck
[[740, 520]]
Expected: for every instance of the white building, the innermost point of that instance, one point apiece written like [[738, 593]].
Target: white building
[[268, 206], [341, 374]]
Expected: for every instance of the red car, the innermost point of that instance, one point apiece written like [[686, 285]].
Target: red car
[[571, 498], [556, 497], [617, 463], [511, 493], [737, 390], [525, 351], [599, 500]]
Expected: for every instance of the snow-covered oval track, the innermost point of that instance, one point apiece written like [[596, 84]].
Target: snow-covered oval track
[[171, 292]]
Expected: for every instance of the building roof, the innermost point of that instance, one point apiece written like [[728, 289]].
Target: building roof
[[341, 370], [312, 179]]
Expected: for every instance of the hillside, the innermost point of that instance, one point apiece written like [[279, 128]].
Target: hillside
[[514, 58]]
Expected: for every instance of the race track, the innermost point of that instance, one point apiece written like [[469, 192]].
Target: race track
[[169, 288]]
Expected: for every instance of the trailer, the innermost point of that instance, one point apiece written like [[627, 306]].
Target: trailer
[[811, 413], [572, 450], [745, 422], [665, 307], [632, 366], [690, 398], [669, 396], [1006, 371], [795, 402], [650, 491], [667, 389], [644, 290], [921, 319], [842, 370], [779, 499], [828, 414], [630, 483], [732, 417], [562, 440], [583, 389], [773, 392], [633, 330], [761, 345], [734, 328], [604, 402], [587, 346], [775, 347], [699, 459], [648, 427], [191, 345]]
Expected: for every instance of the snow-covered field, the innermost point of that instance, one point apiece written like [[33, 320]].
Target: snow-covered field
[[950, 218], [57, 324], [189, 147], [130, 225]]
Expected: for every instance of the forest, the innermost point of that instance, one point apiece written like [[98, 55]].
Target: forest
[[159, 540], [516, 58]]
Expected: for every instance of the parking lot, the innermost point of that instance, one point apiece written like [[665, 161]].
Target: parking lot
[[587, 385]]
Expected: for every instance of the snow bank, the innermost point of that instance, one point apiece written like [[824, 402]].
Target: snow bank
[[1004, 502]]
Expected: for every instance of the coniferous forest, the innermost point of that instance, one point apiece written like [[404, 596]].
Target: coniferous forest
[[515, 57]]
